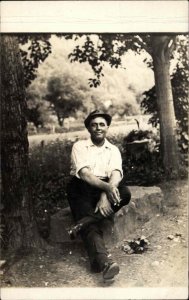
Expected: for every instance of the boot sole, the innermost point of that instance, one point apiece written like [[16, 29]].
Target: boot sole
[[111, 272]]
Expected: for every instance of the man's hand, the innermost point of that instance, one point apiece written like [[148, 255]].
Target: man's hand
[[104, 206], [110, 188], [113, 194]]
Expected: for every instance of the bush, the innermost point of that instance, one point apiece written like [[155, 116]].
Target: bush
[[142, 162], [49, 168], [117, 140]]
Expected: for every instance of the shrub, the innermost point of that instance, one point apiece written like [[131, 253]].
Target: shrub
[[49, 168], [142, 162], [117, 140]]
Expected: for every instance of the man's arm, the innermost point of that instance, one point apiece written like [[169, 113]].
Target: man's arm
[[108, 187], [103, 204], [115, 178]]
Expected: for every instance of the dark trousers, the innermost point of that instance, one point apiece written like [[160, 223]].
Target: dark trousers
[[82, 199]]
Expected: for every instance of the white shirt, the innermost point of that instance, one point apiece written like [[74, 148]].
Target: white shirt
[[100, 160]]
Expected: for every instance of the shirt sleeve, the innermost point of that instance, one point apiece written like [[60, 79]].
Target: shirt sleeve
[[116, 162], [78, 158]]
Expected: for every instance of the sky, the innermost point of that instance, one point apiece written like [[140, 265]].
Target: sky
[[136, 72]]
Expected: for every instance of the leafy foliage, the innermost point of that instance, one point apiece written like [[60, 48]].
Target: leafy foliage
[[38, 49], [39, 111], [66, 96], [107, 48], [118, 93], [142, 161], [49, 167]]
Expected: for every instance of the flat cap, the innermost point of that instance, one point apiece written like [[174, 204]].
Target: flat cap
[[97, 113]]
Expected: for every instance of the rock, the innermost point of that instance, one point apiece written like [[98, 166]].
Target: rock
[[146, 203], [178, 234], [177, 240], [132, 204], [126, 248], [179, 221], [143, 237], [170, 237], [155, 263], [158, 247]]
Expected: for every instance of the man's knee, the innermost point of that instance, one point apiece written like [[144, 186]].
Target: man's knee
[[125, 194], [91, 231]]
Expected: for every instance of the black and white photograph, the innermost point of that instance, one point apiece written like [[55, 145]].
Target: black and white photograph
[[94, 150]]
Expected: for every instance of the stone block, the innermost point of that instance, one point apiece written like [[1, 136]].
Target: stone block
[[145, 203]]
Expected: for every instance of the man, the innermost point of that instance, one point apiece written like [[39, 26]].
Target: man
[[96, 190]]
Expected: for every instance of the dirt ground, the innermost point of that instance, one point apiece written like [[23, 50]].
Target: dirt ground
[[164, 264]]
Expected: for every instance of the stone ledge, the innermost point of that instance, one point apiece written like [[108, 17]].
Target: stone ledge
[[145, 203]]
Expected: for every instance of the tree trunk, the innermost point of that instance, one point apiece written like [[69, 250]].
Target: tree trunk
[[21, 230], [161, 51]]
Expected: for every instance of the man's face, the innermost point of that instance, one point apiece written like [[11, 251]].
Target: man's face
[[98, 129]]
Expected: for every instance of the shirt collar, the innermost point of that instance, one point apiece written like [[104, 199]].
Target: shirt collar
[[91, 144]]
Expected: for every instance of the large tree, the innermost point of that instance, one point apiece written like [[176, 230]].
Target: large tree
[[21, 230], [110, 48], [162, 46], [180, 89]]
